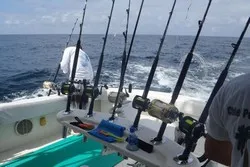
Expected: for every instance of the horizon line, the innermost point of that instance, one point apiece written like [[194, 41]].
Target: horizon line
[[121, 34]]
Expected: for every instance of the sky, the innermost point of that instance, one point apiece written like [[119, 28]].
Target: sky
[[225, 17]]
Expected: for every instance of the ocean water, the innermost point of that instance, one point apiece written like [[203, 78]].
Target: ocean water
[[28, 60]]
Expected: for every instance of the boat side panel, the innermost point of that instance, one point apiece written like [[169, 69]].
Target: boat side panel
[[30, 108], [9, 139]]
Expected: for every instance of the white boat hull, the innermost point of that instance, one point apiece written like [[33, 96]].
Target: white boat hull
[[48, 107]]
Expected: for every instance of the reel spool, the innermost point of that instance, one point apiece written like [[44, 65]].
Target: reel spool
[[168, 113], [65, 87], [90, 91]]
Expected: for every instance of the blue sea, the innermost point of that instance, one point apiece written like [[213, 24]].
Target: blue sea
[[26, 61]]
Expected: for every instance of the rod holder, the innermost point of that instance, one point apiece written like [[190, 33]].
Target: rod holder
[[183, 162], [155, 142]]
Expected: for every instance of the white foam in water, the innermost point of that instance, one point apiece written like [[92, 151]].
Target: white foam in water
[[166, 76], [139, 75], [234, 74], [200, 71], [17, 96], [25, 95], [139, 68], [198, 83]]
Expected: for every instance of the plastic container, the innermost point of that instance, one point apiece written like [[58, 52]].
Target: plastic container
[[132, 140]]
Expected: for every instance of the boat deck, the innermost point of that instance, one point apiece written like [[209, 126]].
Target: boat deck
[[53, 149], [68, 152]]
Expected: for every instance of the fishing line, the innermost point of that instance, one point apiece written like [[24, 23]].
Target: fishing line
[[199, 69], [223, 75], [125, 34], [138, 99], [59, 65], [188, 9], [66, 45], [78, 45], [95, 91], [182, 75], [199, 128], [133, 36], [125, 59]]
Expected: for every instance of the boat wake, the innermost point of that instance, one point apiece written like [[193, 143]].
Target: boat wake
[[199, 82], [29, 82]]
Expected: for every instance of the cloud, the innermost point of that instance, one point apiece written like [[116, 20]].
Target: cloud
[[12, 22], [64, 17], [224, 16], [49, 19], [28, 22]]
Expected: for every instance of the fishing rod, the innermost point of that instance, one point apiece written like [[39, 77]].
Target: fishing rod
[[71, 34], [198, 126], [182, 75], [133, 37], [66, 45], [223, 75], [125, 59], [78, 45], [140, 102], [95, 90], [125, 34]]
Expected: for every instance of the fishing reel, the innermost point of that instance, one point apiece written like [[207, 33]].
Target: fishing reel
[[49, 85], [92, 91], [65, 88], [193, 130], [187, 124], [168, 113], [88, 89], [140, 103], [185, 129]]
